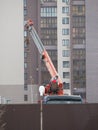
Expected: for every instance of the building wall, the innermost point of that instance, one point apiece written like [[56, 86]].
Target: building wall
[[12, 94], [11, 50], [11, 42], [92, 51], [48, 27], [32, 57], [63, 45], [78, 50], [32, 70]]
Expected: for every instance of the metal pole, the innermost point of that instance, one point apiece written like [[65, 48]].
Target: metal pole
[[41, 115]]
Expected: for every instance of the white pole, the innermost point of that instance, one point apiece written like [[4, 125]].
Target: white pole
[[41, 115]]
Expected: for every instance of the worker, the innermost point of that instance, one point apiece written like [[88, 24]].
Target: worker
[[54, 78]]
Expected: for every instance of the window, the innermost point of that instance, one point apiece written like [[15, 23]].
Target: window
[[25, 65], [65, 42], [49, 33], [65, 9], [25, 44], [25, 33], [25, 12], [65, 31], [66, 85], [25, 76], [78, 10], [79, 32], [48, 22], [65, 20], [65, 74], [79, 53], [25, 54], [52, 54], [65, 64], [78, 41], [48, 12], [25, 3], [49, 0], [65, 1], [25, 87], [79, 21], [65, 53], [25, 97], [49, 41]]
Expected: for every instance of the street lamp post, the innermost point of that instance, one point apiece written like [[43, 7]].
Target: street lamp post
[[41, 91]]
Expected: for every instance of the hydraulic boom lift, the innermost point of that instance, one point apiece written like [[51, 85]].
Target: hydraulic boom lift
[[55, 86]]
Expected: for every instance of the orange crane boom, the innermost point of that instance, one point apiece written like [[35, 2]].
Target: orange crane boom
[[45, 57]]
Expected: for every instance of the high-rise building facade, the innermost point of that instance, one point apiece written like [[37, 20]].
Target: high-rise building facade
[[78, 47], [31, 11], [32, 60], [71, 45], [63, 45], [61, 27], [48, 29], [44, 15]]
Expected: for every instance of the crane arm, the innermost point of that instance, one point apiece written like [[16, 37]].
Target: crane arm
[[52, 87], [45, 56]]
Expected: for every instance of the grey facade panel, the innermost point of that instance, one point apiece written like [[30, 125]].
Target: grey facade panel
[[92, 50]]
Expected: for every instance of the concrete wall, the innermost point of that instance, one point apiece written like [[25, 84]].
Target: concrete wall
[[12, 94], [55, 117], [92, 50], [60, 36]]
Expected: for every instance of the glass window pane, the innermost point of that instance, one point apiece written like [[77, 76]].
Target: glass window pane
[[65, 53], [65, 42], [25, 97], [65, 31], [65, 74], [25, 3], [65, 9], [65, 20], [65, 1], [65, 64]]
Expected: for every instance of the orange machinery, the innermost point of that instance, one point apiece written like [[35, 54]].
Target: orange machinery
[[55, 86]]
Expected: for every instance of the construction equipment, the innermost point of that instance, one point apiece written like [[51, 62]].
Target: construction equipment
[[53, 91], [55, 86]]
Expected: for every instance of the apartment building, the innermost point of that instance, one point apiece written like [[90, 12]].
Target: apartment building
[[71, 45], [61, 27], [63, 45], [64, 30], [78, 47], [48, 29], [44, 15], [31, 55]]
